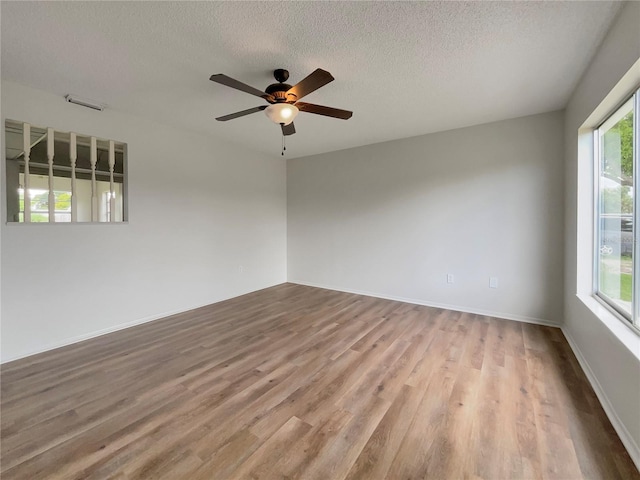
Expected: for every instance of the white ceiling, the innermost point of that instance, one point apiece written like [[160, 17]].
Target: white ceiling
[[404, 68]]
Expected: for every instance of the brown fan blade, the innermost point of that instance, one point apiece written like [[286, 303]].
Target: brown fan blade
[[322, 110], [231, 116], [310, 84], [288, 129], [233, 83]]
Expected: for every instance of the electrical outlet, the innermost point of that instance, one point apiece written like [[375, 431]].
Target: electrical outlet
[[449, 277], [241, 269], [493, 282]]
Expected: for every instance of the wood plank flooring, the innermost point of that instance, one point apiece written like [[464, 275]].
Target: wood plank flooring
[[295, 382]]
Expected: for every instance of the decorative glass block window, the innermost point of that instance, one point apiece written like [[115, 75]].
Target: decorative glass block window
[[57, 177]]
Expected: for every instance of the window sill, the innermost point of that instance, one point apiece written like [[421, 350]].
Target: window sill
[[625, 334]]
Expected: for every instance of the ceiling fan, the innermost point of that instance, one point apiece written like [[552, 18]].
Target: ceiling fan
[[283, 99]]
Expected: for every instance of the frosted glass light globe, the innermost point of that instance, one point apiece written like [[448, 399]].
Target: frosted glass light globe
[[281, 113]]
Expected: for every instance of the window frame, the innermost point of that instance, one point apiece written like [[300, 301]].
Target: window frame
[[630, 320], [21, 211]]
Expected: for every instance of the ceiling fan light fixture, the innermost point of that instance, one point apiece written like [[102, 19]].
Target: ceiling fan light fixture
[[281, 113]]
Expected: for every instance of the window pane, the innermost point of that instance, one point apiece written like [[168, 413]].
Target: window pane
[[616, 210]]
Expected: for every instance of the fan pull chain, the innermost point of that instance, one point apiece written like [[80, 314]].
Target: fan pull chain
[[284, 146]]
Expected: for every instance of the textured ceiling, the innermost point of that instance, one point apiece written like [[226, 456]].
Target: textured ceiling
[[404, 68]]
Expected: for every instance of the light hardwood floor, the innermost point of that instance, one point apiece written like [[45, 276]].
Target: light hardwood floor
[[299, 382]]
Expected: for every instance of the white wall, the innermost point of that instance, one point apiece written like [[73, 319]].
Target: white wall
[[393, 219], [199, 209], [608, 351]]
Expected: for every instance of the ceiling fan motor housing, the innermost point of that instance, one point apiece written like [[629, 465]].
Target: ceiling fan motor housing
[[279, 90]]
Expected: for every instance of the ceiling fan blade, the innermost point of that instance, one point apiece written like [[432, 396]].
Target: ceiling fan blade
[[233, 83], [322, 110], [231, 116], [288, 129], [314, 81]]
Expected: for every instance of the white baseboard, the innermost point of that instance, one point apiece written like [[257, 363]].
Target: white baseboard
[[122, 326], [98, 333], [626, 438], [457, 308]]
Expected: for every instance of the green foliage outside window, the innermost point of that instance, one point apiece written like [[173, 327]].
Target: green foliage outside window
[[619, 138]]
